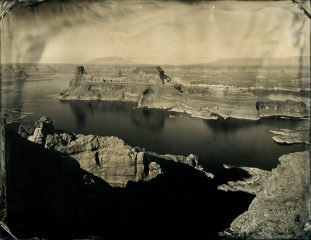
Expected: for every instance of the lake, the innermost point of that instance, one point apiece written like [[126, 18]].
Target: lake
[[216, 142]]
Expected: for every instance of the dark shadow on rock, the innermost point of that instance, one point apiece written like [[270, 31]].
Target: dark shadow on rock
[[48, 193], [50, 196]]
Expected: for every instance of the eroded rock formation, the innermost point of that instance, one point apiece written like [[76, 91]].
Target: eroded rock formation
[[280, 208], [78, 78], [153, 71], [300, 134], [50, 197], [109, 158]]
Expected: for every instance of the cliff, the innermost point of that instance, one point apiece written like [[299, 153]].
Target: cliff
[[281, 206], [78, 78], [108, 158]]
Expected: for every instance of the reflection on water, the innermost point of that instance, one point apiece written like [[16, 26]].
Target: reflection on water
[[150, 119], [79, 114], [142, 118]]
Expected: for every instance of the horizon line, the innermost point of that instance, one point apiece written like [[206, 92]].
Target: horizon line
[[140, 63]]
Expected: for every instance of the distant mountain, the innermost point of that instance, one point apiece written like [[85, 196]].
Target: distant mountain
[[110, 60], [289, 61]]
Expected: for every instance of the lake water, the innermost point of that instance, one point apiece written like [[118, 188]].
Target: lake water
[[216, 142]]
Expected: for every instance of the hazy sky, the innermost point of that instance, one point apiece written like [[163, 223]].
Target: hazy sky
[[156, 32]]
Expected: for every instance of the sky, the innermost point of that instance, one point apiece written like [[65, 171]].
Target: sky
[[154, 32]]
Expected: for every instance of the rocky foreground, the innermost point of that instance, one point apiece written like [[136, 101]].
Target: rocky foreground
[[67, 185], [106, 157], [151, 87], [281, 207], [160, 186]]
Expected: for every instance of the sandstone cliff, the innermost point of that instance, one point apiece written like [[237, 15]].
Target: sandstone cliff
[[109, 158], [280, 209]]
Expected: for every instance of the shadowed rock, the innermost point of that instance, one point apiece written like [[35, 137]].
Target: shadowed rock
[[106, 157], [51, 196]]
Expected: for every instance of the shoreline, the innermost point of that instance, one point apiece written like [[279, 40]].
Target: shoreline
[[190, 114]]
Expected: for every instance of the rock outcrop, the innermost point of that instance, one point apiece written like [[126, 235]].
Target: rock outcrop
[[300, 134], [79, 75], [281, 108], [49, 190], [280, 208], [252, 184], [286, 136], [106, 157]]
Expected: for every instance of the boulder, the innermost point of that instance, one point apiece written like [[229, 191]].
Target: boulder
[[192, 160], [46, 124], [154, 170]]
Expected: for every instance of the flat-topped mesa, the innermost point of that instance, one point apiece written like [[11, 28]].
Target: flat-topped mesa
[[149, 70], [129, 87], [151, 75]]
